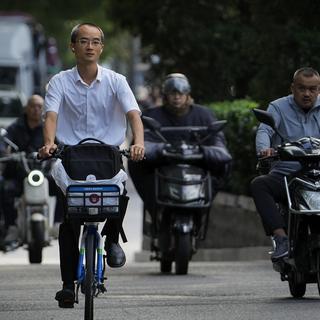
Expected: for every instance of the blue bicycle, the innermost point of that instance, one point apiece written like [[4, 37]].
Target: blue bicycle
[[91, 202]]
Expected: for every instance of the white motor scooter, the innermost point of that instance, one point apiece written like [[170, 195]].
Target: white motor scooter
[[35, 207], [35, 210]]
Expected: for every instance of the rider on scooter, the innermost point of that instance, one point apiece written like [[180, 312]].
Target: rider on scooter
[[296, 115], [178, 109], [26, 133]]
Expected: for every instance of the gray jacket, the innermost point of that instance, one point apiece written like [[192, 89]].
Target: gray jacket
[[293, 123]]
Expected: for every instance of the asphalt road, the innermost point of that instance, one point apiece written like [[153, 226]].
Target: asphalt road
[[211, 290]]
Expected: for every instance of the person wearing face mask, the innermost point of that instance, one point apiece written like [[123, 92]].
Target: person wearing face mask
[[178, 109]]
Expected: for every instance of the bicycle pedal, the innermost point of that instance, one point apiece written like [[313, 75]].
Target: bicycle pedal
[[102, 288]]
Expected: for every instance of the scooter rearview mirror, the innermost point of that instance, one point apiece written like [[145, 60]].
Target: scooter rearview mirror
[[217, 126], [264, 117], [267, 118], [3, 135], [3, 132], [213, 128], [151, 123], [154, 126]]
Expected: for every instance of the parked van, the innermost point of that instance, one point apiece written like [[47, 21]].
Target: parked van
[[22, 54], [12, 103], [23, 66]]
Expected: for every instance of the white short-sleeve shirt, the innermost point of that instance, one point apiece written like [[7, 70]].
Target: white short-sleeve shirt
[[95, 111]]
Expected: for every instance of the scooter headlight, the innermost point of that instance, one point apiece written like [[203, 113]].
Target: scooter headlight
[[186, 193], [35, 178], [312, 199]]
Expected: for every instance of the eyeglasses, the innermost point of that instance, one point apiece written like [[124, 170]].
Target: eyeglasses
[[303, 89], [85, 42]]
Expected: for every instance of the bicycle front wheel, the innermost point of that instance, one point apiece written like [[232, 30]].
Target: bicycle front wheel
[[89, 278]]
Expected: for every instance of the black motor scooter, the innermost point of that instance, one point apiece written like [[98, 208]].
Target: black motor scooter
[[302, 211], [183, 195]]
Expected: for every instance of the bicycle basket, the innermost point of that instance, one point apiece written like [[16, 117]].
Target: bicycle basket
[[93, 203], [98, 159]]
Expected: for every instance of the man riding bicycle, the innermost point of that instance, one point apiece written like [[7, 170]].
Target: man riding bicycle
[[88, 101]]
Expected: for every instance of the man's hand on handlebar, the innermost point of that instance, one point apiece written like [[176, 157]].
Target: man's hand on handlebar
[[137, 152], [267, 152], [47, 151]]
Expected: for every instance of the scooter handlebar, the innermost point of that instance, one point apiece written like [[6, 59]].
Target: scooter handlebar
[[179, 156]]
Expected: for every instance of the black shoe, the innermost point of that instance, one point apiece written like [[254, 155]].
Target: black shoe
[[65, 297], [10, 246], [116, 257], [11, 240], [281, 249]]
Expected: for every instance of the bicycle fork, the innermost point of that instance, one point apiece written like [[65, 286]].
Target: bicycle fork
[[99, 266]]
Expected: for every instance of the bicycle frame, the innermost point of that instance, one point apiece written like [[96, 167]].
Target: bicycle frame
[[90, 204], [91, 228]]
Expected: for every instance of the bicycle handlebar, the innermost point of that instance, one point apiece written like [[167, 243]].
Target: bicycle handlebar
[[58, 154], [125, 153], [179, 156]]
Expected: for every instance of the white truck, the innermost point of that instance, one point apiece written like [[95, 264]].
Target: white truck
[[23, 67]]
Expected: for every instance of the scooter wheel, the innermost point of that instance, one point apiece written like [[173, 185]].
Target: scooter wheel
[[165, 266], [182, 252], [297, 284]]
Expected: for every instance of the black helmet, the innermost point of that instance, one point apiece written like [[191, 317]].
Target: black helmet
[[176, 82]]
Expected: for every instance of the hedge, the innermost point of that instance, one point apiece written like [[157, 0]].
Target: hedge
[[240, 135]]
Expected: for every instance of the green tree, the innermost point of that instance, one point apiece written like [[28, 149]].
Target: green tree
[[249, 46]]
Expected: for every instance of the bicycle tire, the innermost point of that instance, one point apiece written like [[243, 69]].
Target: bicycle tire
[[89, 277]]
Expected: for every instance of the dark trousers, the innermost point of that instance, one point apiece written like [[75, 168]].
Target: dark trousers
[[267, 191], [11, 189], [69, 233], [143, 179]]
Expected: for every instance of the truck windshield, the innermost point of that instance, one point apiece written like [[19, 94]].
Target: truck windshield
[[8, 76], [10, 107]]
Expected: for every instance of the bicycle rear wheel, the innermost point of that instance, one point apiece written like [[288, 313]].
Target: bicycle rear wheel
[[89, 278]]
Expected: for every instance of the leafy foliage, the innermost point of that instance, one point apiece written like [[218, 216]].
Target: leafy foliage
[[251, 47], [228, 49], [240, 136]]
